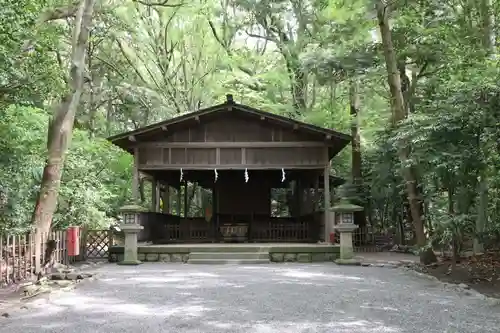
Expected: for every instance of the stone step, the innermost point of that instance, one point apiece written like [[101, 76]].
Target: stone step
[[228, 248], [229, 261], [229, 255]]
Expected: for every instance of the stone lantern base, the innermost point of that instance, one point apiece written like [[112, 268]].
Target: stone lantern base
[[346, 248], [130, 246]]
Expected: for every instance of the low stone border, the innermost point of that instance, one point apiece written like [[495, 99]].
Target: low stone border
[[277, 254], [302, 257]]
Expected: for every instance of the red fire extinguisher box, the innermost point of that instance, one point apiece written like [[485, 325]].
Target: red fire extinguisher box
[[332, 237], [73, 241]]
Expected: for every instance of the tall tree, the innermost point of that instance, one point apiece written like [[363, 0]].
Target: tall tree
[[398, 115], [61, 126]]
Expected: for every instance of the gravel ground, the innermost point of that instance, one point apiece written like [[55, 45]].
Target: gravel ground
[[273, 298]]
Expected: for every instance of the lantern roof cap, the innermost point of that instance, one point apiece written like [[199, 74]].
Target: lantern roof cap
[[132, 208], [345, 206]]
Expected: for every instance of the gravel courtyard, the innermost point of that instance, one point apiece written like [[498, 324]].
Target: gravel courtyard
[[288, 298]]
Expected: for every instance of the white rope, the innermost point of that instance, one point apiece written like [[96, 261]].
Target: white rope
[[282, 175], [181, 175], [246, 175], [216, 175]]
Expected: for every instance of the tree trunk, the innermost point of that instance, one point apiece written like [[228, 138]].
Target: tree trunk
[[61, 128], [398, 114], [356, 166]]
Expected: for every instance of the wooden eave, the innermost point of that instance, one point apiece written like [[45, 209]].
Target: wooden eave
[[336, 140]]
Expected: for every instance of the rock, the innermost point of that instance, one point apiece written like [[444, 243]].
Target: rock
[[141, 256], [427, 256], [366, 264], [330, 256], [5, 315], [63, 283], [394, 263], [277, 257], [304, 257], [290, 257], [59, 266], [348, 262], [152, 257], [74, 276], [57, 276], [165, 257], [464, 286], [31, 289], [319, 257], [185, 258], [175, 257]]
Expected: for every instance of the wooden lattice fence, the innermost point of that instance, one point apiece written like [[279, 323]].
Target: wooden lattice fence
[[95, 243], [17, 252]]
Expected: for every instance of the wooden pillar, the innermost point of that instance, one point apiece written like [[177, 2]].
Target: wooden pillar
[[298, 198], [135, 176], [179, 197], [166, 199], [185, 198], [215, 212], [326, 194], [154, 184], [157, 189], [316, 193]]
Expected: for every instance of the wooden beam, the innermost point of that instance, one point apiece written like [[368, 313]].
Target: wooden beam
[[328, 137], [132, 138], [262, 118], [295, 127], [197, 119], [260, 144], [230, 167], [164, 128]]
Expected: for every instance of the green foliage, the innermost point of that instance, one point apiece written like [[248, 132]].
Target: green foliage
[[96, 178], [149, 63]]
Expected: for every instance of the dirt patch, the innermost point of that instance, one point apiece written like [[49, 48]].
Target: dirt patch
[[481, 273]]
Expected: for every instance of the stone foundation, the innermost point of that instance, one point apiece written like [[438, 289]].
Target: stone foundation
[[277, 253], [304, 253]]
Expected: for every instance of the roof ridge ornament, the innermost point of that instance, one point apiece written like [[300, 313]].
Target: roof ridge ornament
[[229, 99]]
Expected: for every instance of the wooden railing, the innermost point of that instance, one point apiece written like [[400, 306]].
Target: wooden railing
[[164, 228]]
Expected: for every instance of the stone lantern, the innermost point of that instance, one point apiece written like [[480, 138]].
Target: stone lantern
[[345, 209], [130, 227]]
